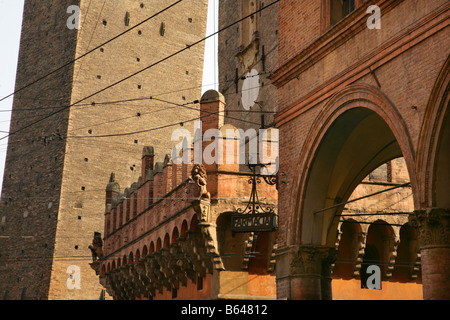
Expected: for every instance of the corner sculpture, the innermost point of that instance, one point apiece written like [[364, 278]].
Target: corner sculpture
[[198, 175], [97, 247]]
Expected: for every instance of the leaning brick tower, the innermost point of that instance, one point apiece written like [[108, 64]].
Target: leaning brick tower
[[59, 158]]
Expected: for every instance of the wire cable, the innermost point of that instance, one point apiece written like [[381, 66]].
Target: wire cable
[[142, 70], [90, 51], [136, 73]]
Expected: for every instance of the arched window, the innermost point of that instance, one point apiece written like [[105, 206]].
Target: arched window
[[152, 247], [194, 223], [339, 9], [144, 252], [158, 245], [130, 257], [137, 256], [377, 252]]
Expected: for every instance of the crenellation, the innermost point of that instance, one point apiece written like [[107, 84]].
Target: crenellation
[[181, 222], [176, 172]]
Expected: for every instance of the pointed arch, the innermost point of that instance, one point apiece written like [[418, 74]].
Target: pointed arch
[[358, 129]]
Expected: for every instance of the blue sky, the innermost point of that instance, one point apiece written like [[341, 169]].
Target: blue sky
[[10, 26]]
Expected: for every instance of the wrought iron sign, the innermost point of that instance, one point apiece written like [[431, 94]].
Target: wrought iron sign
[[255, 217]]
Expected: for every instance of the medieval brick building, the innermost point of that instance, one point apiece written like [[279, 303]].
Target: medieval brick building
[[53, 189], [170, 235], [248, 55], [359, 186], [359, 92], [361, 83]]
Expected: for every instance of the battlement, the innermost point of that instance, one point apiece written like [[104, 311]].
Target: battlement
[[179, 195], [171, 184]]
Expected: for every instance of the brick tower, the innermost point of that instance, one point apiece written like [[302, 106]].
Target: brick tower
[[59, 159], [248, 54]]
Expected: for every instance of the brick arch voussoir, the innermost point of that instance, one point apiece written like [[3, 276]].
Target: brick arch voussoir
[[436, 111]]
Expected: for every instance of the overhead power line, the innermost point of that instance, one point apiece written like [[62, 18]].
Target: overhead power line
[[114, 102], [159, 127], [142, 70], [90, 51], [364, 197]]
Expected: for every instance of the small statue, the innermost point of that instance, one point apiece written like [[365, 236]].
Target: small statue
[[198, 175], [96, 247]]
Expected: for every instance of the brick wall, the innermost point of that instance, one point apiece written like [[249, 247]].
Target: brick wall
[[402, 60], [73, 171], [236, 59], [35, 156], [166, 219]]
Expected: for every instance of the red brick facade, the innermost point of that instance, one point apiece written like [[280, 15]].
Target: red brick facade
[[350, 99], [166, 238]]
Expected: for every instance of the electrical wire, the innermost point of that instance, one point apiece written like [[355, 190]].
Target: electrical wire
[[92, 35], [140, 71], [113, 102], [90, 51], [168, 125]]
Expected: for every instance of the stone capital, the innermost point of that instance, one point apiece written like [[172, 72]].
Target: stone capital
[[433, 225], [312, 261]]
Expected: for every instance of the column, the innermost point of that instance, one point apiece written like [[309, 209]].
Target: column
[[310, 273], [433, 227]]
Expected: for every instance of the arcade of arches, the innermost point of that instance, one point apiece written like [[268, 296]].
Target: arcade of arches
[[356, 138]]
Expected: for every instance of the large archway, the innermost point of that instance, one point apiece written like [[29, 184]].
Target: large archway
[[374, 235], [358, 142], [358, 130]]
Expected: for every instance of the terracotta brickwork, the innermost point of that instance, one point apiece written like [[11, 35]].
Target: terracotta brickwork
[[53, 192], [359, 109], [167, 238], [30, 207], [249, 45], [350, 99]]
